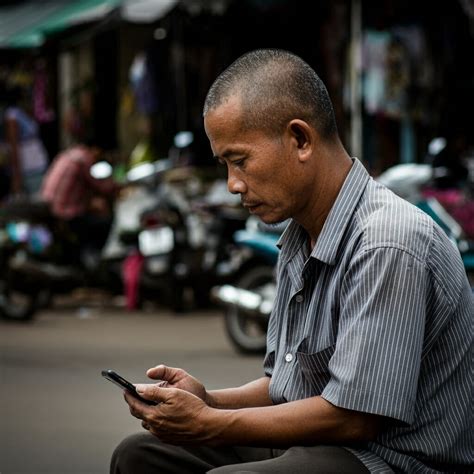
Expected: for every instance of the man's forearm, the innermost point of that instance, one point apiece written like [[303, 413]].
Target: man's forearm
[[253, 394], [304, 422]]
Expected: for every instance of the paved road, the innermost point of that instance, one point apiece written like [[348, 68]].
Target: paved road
[[59, 416]]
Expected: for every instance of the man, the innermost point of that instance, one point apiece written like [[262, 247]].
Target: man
[[72, 193], [370, 340]]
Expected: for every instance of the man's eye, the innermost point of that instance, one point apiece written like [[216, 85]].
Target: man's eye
[[238, 162]]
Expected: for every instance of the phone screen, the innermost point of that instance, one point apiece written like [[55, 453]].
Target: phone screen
[[118, 380]]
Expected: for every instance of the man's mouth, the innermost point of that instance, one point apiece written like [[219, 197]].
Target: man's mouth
[[250, 205]]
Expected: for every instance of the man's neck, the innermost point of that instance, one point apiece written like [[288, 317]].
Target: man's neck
[[329, 185]]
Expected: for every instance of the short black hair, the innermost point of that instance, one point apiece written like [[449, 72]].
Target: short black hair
[[275, 86]]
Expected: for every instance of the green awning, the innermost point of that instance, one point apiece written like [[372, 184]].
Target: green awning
[[27, 24]]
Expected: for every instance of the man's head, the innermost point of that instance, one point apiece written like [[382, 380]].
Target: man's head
[[274, 87], [268, 117]]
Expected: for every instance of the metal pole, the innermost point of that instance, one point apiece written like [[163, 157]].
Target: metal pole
[[355, 79]]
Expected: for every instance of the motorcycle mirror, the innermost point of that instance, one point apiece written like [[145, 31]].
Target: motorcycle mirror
[[436, 145], [140, 171], [101, 170], [183, 139], [147, 170]]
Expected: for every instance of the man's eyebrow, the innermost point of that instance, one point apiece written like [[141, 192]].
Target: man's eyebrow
[[228, 154]]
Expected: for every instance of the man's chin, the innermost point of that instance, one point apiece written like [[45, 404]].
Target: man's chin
[[272, 221]]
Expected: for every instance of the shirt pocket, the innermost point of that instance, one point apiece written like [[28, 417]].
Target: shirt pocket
[[314, 368]]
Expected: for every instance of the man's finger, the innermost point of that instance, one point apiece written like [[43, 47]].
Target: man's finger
[[163, 372], [157, 372], [153, 392], [135, 406]]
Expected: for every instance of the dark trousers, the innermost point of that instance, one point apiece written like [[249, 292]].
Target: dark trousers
[[91, 230], [145, 454]]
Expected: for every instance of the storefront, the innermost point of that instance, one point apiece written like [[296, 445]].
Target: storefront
[[398, 73]]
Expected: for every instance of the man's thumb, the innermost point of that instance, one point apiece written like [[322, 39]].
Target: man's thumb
[[152, 392]]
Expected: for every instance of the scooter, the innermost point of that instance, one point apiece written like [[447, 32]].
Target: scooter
[[408, 181], [40, 256], [248, 300], [24, 230], [185, 242]]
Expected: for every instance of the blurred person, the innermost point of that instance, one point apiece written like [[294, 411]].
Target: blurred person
[[369, 347], [28, 158], [72, 192]]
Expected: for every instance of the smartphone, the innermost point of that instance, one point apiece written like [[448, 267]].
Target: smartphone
[[125, 384]]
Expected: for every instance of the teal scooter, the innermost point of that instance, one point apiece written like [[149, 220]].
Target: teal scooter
[[408, 181], [248, 300]]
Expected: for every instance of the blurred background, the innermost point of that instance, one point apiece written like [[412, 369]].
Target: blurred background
[[119, 244], [398, 72]]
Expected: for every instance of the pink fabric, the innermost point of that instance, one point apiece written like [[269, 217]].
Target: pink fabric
[[68, 185], [457, 205], [131, 270]]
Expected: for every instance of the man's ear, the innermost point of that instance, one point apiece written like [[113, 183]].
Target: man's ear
[[302, 137]]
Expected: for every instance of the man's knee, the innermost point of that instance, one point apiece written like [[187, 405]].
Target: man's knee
[[129, 455]]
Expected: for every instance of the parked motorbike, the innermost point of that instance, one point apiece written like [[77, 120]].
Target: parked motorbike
[[41, 256], [185, 242], [24, 230], [248, 300], [408, 181]]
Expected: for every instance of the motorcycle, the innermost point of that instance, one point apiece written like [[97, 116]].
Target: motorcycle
[[248, 300], [22, 231], [41, 256], [409, 182], [184, 241]]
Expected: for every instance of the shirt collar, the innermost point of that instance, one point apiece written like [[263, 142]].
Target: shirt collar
[[338, 219]]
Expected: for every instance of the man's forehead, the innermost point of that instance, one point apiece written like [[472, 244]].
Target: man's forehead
[[229, 104], [222, 117]]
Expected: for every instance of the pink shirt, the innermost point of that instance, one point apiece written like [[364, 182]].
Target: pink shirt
[[68, 185]]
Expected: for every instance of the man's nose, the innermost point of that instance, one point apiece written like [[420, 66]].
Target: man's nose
[[235, 185]]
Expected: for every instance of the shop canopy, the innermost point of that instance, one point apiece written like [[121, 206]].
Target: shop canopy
[[26, 24]]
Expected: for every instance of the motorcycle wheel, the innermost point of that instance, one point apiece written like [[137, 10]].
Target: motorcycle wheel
[[17, 305], [248, 333]]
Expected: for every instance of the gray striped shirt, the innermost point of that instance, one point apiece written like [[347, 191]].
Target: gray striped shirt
[[378, 318]]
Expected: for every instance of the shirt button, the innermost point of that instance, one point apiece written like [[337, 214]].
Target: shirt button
[[289, 357], [299, 298]]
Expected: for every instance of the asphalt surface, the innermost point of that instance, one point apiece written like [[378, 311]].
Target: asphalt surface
[[59, 416]]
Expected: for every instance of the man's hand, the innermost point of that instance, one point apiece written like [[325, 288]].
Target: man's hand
[[179, 418], [178, 378]]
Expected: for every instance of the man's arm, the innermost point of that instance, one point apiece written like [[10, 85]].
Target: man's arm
[[183, 418], [303, 422], [253, 394]]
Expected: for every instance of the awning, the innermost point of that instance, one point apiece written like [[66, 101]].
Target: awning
[[146, 11], [26, 24]]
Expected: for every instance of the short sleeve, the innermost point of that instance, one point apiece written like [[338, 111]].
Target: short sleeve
[[376, 363]]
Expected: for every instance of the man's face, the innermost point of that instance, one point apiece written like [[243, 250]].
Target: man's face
[[263, 169]]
